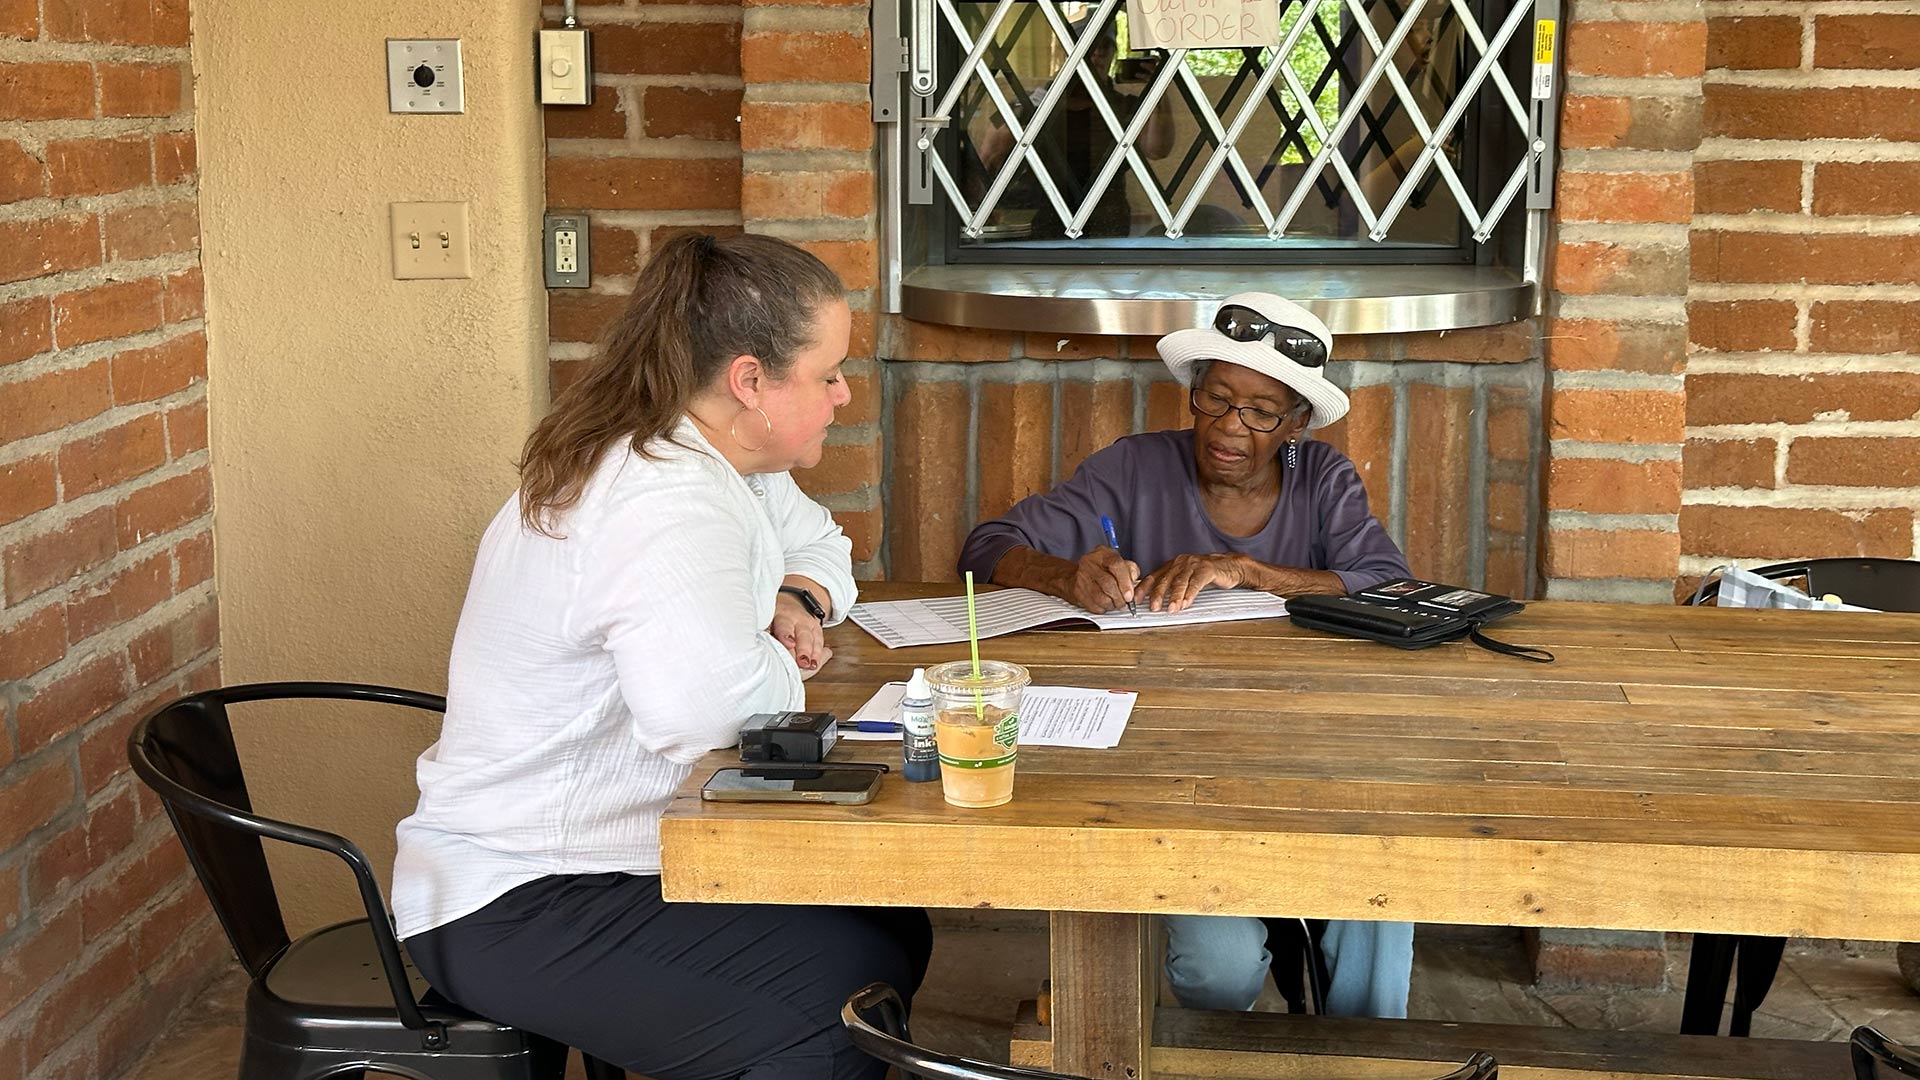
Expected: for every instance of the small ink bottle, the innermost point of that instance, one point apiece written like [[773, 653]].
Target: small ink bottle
[[920, 754]]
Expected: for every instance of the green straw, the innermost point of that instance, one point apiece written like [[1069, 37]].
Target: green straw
[[973, 643]]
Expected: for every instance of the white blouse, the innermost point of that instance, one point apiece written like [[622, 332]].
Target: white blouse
[[589, 672]]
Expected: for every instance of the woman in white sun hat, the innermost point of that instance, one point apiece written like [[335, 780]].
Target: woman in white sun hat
[[1243, 501]]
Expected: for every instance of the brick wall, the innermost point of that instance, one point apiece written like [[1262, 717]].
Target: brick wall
[[107, 600], [1803, 393]]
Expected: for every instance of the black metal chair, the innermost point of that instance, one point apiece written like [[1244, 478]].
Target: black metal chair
[[891, 1043], [343, 998], [1872, 1051], [1299, 964], [1751, 962]]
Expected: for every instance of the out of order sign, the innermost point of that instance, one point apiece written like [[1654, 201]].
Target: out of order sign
[[1202, 24]]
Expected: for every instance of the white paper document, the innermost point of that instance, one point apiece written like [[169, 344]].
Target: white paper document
[[1049, 716], [943, 619]]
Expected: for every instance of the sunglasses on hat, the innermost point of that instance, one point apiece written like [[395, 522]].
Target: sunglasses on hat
[[1247, 325]]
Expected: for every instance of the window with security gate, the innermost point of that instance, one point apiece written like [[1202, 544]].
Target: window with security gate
[[1360, 131]]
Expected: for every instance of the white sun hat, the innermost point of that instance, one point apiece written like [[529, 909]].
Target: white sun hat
[[1182, 349]]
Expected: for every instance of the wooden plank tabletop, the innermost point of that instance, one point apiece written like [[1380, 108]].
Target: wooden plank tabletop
[[1675, 769]]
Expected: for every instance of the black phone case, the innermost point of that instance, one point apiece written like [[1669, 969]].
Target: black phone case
[[1411, 619]]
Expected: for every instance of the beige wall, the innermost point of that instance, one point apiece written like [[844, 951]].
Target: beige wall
[[363, 428]]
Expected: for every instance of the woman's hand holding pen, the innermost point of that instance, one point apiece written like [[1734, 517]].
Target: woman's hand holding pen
[[1102, 581]]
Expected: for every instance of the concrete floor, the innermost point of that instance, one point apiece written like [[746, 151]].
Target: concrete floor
[[983, 966]]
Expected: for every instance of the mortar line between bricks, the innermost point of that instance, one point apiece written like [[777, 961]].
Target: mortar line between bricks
[[1638, 453], [46, 50], [37, 133], [1802, 8], [851, 19], [1638, 11], [677, 149], [1644, 86], [1804, 497], [1671, 235], [83, 505], [1776, 224], [108, 273], [1586, 519], [76, 357], [1778, 430], [651, 13], [51, 442], [1765, 290], [1801, 363], [1817, 79], [1718, 148]]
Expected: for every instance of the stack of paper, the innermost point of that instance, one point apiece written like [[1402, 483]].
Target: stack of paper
[[1049, 716], [943, 619]]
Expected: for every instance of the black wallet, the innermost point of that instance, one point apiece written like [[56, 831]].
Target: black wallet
[[1413, 614]]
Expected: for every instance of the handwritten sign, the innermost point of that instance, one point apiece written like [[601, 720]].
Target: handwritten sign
[[1202, 24]]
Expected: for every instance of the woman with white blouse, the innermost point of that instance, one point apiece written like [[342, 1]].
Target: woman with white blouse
[[657, 579]]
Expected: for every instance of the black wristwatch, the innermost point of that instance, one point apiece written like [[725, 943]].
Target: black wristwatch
[[806, 601]]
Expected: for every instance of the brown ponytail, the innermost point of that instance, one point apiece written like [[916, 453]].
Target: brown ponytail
[[699, 302]]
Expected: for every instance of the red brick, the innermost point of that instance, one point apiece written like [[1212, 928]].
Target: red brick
[[937, 341], [1621, 553], [1092, 415], [1596, 267], [186, 429], [1167, 407], [1588, 121], [927, 518], [1739, 187], [803, 196], [1810, 112], [193, 560], [1507, 507], [98, 166], [69, 702], [1507, 343], [805, 125], [1510, 422], [141, 89], [103, 756], [159, 930], [691, 112], [30, 249], [1799, 399], [864, 529], [1041, 346], [1607, 486], [143, 232], [116, 309], [1558, 964], [1617, 416], [184, 300], [175, 157], [581, 316], [1865, 326], [129, 593], [615, 251], [855, 261], [174, 644], [119, 22], [665, 48], [33, 961], [81, 996], [29, 644], [31, 797], [1626, 197], [1736, 463], [9, 913], [1440, 424], [22, 176], [51, 91], [159, 370], [26, 487], [26, 329], [119, 453], [773, 56], [644, 183], [1866, 187], [1602, 345], [111, 898], [1835, 259], [562, 374], [843, 468], [863, 405], [1637, 48], [1754, 43], [1890, 42], [1743, 325], [1854, 462], [162, 507], [1013, 446], [18, 19], [1766, 532], [1368, 431], [41, 562], [45, 402], [606, 118]]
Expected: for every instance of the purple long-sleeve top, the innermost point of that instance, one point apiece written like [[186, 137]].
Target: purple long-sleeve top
[[1146, 484]]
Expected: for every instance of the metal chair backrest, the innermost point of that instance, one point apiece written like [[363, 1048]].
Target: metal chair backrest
[[184, 751], [893, 1046], [1872, 1050], [1886, 584]]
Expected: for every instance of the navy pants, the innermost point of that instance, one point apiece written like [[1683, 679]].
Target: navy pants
[[676, 991]]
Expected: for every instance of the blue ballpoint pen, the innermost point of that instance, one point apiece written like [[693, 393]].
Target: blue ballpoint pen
[[1106, 524], [881, 726]]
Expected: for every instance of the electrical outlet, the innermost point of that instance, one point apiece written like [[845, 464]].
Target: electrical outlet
[[430, 240], [565, 67], [568, 250], [423, 76]]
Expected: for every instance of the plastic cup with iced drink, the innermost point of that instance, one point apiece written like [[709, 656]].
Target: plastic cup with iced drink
[[977, 727]]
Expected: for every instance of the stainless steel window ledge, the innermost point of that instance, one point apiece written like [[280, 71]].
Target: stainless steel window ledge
[[1152, 300]]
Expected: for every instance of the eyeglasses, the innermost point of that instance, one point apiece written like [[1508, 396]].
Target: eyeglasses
[[1245, 324], [1208, 403]]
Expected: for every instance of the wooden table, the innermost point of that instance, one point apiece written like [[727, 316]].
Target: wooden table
[[1751, 772]]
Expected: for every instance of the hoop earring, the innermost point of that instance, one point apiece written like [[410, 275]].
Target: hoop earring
[[1293, 453], [764, 418]]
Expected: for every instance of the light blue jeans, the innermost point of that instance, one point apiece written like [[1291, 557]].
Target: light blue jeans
[[1220, 962]]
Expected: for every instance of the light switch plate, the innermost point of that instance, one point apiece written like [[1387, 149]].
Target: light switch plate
[[423, 76], [568, 247], [430, 240], [565, 67]]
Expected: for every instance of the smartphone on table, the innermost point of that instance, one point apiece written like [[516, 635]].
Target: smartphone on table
[[792, 783]]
